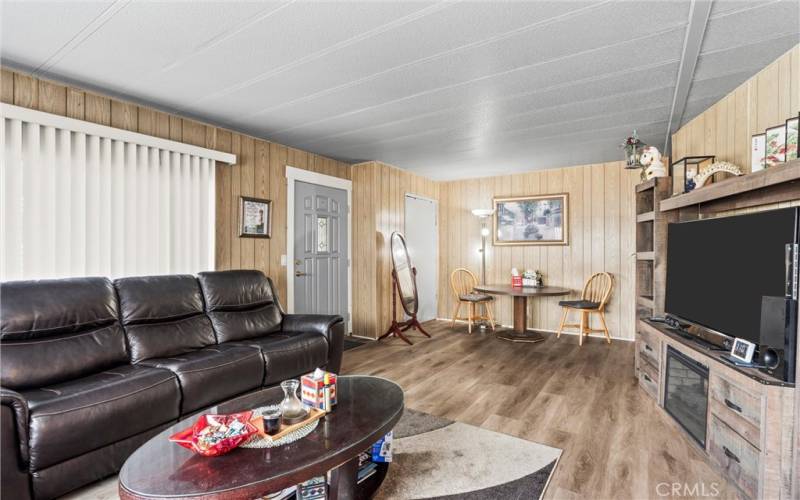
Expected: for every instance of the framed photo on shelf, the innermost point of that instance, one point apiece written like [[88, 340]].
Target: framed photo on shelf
[[757, 152], [775, 151], [792, 125], [255, 217], [532, 220]]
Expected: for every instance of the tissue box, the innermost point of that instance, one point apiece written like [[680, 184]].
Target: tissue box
[[516, 281], [312, 386]]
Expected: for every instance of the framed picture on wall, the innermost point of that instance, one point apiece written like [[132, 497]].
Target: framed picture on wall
[[255, 217], [792, 125], [532, 220], [775, 145], [757, 152]]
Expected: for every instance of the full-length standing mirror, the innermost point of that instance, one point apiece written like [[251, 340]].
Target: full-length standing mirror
[[404, 283]]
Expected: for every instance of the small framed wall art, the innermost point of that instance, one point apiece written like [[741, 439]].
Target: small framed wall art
[[532, 220], [792, 125], [775, 150], [255, 217], [757, 152]]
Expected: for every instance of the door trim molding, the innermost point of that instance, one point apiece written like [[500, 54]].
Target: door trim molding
[[294, 174]]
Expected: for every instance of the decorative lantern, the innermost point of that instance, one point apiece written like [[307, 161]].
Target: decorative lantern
[[685, 170], [634, 148]]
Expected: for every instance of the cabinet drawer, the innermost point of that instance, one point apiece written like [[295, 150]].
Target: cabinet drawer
[[648, 379], [649, 348], [737, 407], [738, 459]]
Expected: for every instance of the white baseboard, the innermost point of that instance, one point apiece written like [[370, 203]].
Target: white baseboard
[[565, 332]]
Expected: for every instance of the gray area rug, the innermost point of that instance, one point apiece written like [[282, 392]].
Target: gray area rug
[[436, 458]]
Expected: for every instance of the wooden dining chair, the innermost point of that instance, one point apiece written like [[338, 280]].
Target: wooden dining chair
[[594, 298], [463, 282]]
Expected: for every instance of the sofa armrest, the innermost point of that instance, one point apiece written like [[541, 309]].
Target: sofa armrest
[[14, 445], [332, 327]]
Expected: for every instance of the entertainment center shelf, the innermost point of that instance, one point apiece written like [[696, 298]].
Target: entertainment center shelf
[[771, 185], [749, 421], [749, 415]]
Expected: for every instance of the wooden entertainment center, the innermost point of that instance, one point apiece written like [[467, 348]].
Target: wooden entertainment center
[[751, 431]]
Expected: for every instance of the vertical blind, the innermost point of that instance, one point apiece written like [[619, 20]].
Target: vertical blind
[[76, 203]]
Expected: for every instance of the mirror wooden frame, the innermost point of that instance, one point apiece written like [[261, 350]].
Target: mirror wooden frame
[[397, 328]]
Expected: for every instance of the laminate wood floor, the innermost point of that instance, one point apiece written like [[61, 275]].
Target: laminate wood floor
[[585, 400]]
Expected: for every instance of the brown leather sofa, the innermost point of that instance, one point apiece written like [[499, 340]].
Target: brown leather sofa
[[90, 369]]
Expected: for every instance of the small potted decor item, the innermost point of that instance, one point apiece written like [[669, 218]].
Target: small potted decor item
[[633, 151], [775, 145], [651, 161], [214, 435], [792, 126], [516, 278], [292, 410], [532, 278], [758, 152], [319, 390], [685, 170]]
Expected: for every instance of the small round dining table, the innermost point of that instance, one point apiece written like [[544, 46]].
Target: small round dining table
[[521, 294]]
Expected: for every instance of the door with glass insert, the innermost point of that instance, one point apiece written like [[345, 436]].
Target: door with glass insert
[[320, 250]]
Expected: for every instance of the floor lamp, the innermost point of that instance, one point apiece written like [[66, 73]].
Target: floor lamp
[[483, 214]]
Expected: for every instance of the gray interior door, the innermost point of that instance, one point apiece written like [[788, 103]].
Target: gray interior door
[[320, 250]]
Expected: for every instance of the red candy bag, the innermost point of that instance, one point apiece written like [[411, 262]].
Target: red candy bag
[[214, 435]]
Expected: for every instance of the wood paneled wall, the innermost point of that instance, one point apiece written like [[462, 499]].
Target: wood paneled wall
[[602, 238], [260, 171], [378, 210], [767, 99]]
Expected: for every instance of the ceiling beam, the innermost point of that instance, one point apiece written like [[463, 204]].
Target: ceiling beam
[[699, 11]]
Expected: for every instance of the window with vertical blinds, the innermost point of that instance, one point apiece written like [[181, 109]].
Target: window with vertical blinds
[[81, 199]]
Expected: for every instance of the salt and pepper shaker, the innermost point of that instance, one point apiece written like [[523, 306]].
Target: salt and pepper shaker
[[326, 393]]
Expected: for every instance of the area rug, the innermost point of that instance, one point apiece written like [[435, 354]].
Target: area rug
[[436, 458], [352, 343]]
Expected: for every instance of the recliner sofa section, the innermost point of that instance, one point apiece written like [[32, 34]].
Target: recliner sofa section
[[90, 369]]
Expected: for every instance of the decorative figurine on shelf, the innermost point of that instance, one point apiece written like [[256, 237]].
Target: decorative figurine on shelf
[[720, 166], [651, 161]]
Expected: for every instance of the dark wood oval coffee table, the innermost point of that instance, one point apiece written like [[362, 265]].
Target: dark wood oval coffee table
[[521, 332], [368, 408]]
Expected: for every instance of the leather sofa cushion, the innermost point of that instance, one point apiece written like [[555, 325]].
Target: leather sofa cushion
[[163, 316], [241, 304], [289, 355], [42, 308], [75, 417], [57, 330], [213, 374], [35, 363]]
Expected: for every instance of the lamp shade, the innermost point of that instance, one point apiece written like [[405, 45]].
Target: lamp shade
[[482, 212]]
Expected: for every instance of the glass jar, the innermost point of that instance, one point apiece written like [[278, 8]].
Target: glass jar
[[291, 407]]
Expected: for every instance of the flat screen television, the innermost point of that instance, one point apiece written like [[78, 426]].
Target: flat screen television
[[719, 269]]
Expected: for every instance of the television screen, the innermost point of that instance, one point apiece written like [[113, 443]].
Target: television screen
[[719, 269]]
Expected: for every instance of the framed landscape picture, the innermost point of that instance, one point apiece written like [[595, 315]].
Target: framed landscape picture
[[792, 125], [255, 216], [532, 220], [757, 152], [776, 145]]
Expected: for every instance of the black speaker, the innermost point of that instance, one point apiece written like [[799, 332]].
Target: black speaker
[[778, 337]]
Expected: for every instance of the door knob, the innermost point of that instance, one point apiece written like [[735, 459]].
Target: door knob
[[300, 273]]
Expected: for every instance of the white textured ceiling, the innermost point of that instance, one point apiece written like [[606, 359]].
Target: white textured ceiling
[[445, 89]]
